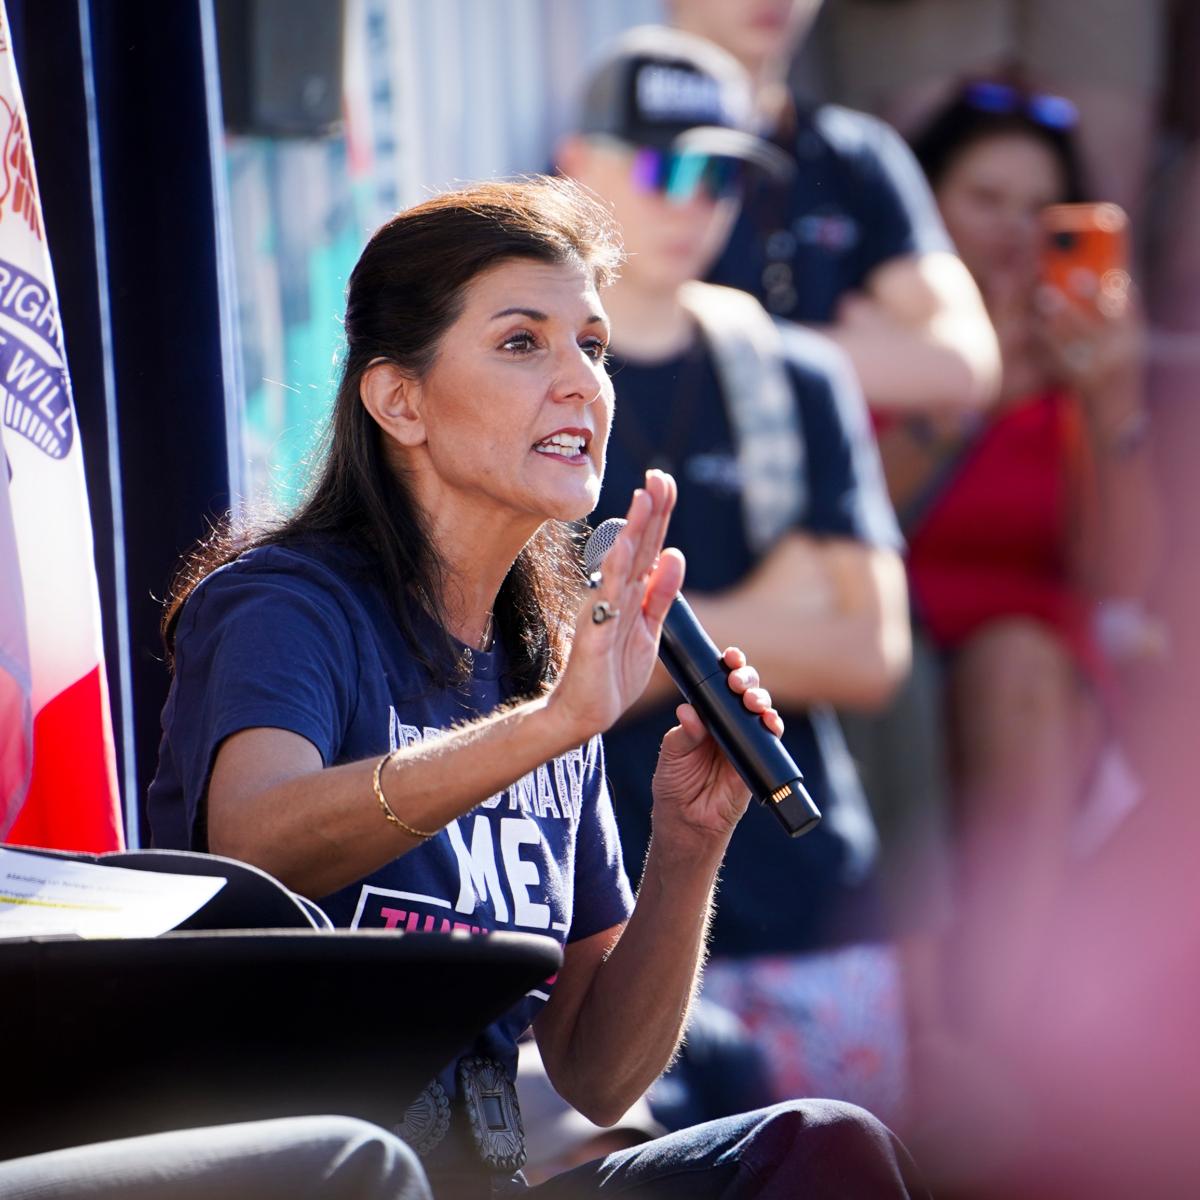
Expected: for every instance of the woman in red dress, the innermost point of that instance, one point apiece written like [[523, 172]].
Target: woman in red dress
[[1022, 528]]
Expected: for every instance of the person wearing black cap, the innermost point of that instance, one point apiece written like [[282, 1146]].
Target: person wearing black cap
[[790, 542]]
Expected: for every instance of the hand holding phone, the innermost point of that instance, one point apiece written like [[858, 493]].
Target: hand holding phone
[[1085, 255], [1090, 322]]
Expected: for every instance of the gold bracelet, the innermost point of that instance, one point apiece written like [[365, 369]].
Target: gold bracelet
[[387, 808]]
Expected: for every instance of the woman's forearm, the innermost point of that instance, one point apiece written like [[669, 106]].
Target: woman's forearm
[[1122, 538], [631, 1021], [271, 804], [907, 371], [919, 337], [824, 622]]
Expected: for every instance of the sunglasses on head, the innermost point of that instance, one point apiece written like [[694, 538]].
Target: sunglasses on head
[[681, 175], [1051, 112]]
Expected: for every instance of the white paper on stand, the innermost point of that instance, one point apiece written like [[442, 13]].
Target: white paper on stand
[[40, 896]]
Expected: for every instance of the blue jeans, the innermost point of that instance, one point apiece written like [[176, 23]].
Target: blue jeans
[[814, 1149]]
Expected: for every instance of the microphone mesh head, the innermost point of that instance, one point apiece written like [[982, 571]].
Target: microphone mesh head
[[600, 543]]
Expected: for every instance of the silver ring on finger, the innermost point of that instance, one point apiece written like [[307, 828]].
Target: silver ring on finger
[[603, 611]]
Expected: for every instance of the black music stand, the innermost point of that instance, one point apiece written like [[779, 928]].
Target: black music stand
[[114, 1038]]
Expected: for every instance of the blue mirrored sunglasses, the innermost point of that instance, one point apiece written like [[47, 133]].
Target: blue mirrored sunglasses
[[680, 176], [1052, 112]]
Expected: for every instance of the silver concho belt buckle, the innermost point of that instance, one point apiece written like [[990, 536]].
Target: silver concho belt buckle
[[426, 1119], [490, 1101]]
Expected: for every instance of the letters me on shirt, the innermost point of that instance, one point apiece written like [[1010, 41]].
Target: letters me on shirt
[[495, 853]]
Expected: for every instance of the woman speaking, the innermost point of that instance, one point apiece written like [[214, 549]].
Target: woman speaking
[[393, 700]]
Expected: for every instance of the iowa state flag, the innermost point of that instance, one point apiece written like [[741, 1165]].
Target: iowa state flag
[[58, 785]]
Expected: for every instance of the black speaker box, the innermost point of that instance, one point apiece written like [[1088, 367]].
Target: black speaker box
[[281, 66]]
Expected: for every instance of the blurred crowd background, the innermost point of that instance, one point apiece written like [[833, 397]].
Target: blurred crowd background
[[1029, 776]]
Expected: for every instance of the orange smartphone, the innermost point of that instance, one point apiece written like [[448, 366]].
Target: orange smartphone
[[1085, 252]]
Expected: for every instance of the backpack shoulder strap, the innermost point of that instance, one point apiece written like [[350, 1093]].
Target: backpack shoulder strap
[[749, 356]]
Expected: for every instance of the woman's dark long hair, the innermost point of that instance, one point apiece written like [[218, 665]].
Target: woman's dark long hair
[[974, 115], [404, 293]]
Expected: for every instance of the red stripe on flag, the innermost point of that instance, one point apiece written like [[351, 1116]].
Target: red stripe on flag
[[72, 801]]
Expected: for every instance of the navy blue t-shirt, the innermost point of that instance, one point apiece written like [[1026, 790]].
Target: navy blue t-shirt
[[857, 199], [777, 895], [301, 639]]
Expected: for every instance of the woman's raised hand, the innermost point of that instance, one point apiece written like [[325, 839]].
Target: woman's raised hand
[[617, 630], [1095, 349]]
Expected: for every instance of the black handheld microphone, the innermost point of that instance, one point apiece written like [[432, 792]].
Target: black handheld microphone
[[694, 662]]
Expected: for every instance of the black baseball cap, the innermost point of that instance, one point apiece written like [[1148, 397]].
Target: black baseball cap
[[671, 90]]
